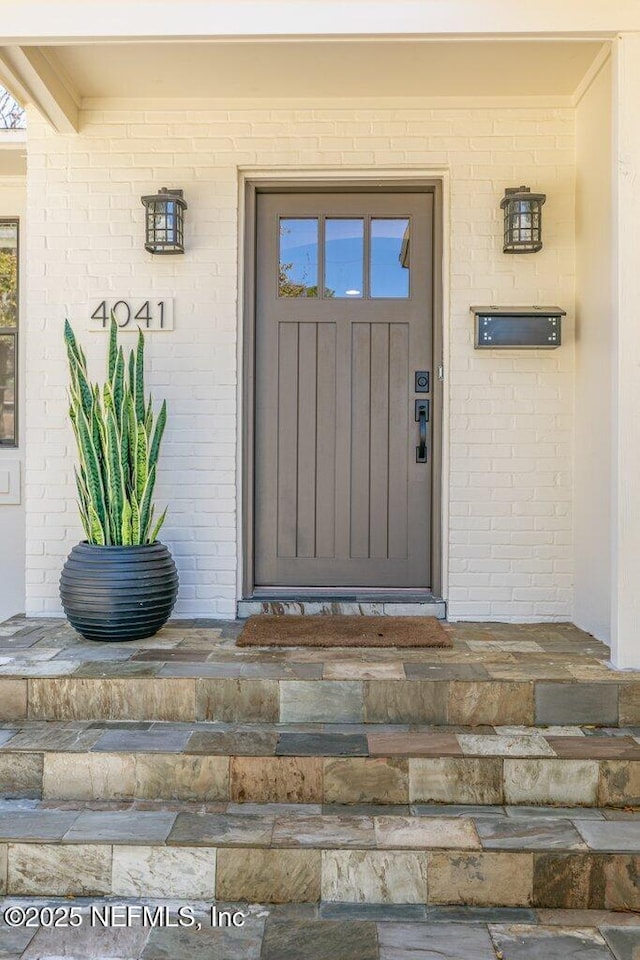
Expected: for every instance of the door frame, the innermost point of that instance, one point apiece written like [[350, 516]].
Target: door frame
[[253, 183]]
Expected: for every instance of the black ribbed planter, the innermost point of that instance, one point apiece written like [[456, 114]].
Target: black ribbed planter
[[118, 593]]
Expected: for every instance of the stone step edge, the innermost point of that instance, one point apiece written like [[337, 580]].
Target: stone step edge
[[541, 878], [617, 751], [372, 701], [284, 829], [97, 776]]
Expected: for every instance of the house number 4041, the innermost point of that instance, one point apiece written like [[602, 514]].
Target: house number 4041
[[150, 315]]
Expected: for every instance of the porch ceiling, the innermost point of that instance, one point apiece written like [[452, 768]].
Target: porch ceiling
[[324, 69]]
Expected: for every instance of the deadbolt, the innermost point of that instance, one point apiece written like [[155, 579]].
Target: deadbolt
[[421, 381]]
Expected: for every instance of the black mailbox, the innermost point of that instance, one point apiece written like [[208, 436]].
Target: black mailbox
[[517, 327]]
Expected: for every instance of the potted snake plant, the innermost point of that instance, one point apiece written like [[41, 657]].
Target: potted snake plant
[[120, 583]]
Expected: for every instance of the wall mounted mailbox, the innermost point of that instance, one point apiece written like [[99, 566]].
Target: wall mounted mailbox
[[512, 328]]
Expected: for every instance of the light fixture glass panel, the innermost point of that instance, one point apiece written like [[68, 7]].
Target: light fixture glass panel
[[8, 389], [344, 258], [298, 263], [390, 257]]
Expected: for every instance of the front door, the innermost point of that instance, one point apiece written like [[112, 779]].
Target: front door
[[343, 367]]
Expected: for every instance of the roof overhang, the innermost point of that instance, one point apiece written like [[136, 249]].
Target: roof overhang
[[158, 51], [42, 22]]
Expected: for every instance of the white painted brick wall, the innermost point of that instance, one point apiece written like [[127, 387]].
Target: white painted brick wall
[[511, 414]]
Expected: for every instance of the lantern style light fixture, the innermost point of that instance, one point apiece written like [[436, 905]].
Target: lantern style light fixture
[[164, 221], [522, 220]]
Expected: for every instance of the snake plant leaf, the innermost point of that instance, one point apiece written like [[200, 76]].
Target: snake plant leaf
[[117, 381], [116, 485], [139, 382], [91, 464], [96, 422], [156, 530], [148, 417], [133, 434], [132, 373], [84, 390], [124, 431], [74, 350], [113, 346], [96, 530], [136, 533], [81, 485], [107, 399], [126, 539], [142, 462], [83, 503], [145, 504], [161, 423], [84, 520]]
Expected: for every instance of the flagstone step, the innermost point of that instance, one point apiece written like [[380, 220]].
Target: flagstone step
[[338, 931], [444, 698], [321, 763], [505, 674], [293, 857]]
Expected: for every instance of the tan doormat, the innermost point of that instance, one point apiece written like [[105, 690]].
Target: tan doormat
[[268, 630]]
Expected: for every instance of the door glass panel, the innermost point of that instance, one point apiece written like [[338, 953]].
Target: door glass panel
[[390, 251], [7, 389], [344, 258], [298, 265]]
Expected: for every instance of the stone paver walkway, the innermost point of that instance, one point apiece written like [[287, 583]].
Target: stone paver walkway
[[316, 932]]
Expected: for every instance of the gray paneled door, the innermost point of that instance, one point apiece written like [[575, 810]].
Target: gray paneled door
[[343, 324]]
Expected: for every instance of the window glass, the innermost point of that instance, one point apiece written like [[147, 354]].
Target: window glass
[[344, 258], [298, 265], [8, 330], [7, 389], [8, 274], [390, 255]]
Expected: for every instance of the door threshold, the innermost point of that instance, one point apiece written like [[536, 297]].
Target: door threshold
[[374, 603], [344, 595]]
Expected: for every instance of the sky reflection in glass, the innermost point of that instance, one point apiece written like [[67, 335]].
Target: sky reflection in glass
[[298, 271], [344, 258], [389, 258]]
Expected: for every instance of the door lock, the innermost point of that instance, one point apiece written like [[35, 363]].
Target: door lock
[[421, 381]]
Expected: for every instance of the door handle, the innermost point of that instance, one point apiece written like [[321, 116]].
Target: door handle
[[422, 416]]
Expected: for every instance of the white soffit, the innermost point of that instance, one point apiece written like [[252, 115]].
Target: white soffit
[[326, 69]]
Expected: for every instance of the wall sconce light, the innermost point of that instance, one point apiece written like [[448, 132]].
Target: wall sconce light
[[522, 220], [164, 221]]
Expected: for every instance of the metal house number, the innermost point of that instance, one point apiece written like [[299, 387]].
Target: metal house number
[[150, 315]]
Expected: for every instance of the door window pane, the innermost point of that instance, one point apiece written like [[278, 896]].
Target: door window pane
[[298, 265], [8, 389], [8, 274], [344, 258], [390, 257]]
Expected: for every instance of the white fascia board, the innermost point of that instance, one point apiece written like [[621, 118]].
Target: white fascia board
[[68, 21], [32, 78]]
